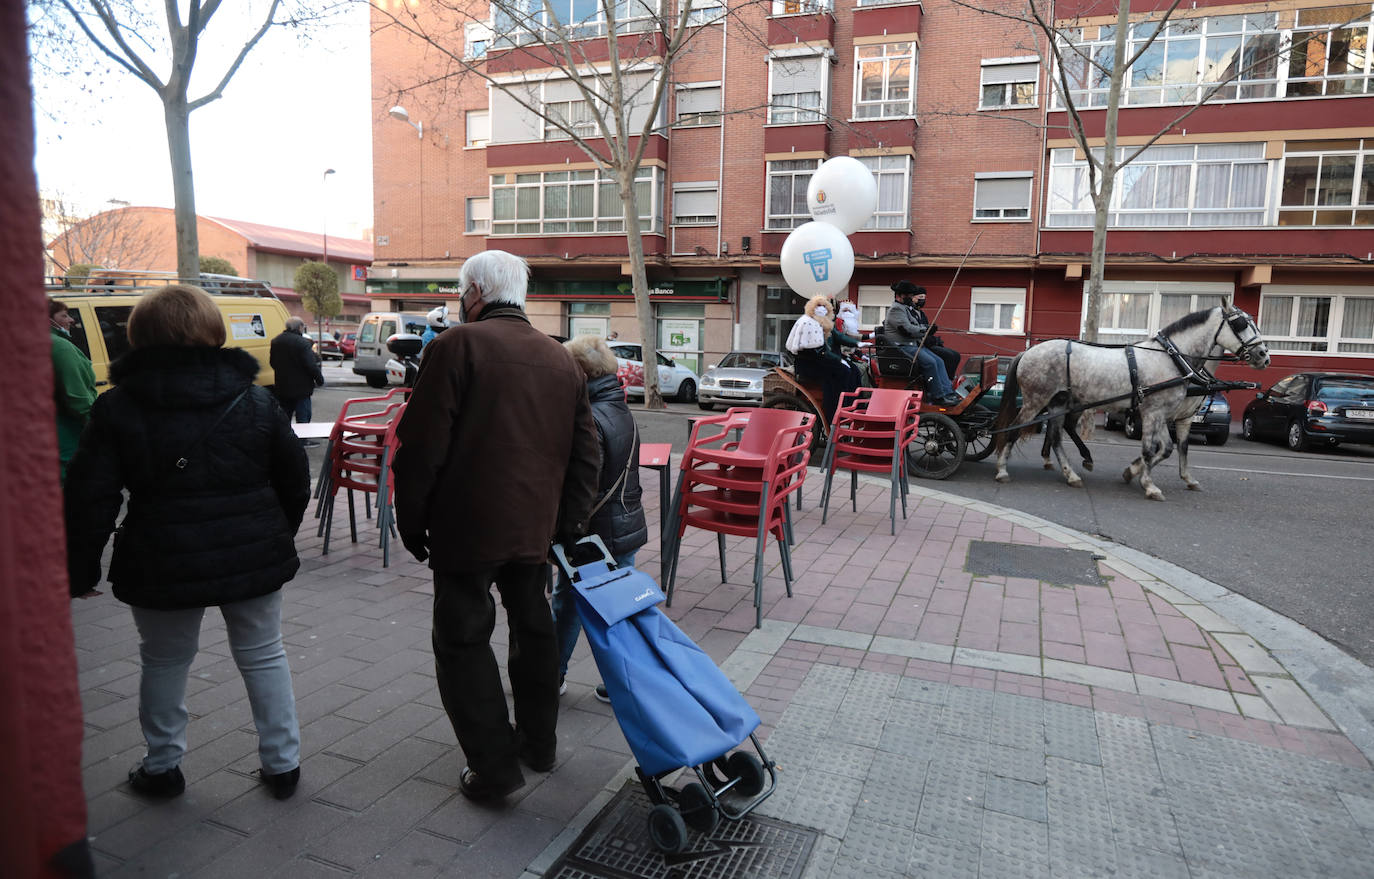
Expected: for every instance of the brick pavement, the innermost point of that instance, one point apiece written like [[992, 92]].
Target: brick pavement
[[929, 721]]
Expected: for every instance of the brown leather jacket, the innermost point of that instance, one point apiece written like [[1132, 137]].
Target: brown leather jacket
[[498, 446]]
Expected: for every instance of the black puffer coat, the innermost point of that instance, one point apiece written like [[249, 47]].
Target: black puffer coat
[[620, 521], [221, 529]]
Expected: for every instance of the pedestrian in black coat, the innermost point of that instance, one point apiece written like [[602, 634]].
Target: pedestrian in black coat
[[297, 370], [217, 485]]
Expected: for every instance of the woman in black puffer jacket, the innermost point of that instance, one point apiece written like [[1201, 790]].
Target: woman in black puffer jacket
[[218, 484], [619, 515]]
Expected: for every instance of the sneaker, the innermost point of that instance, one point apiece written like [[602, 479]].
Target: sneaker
[[602, 694], [283, 784], [157, 784], [309, 444], [562, 687]]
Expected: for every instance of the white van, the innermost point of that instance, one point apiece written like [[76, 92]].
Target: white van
[[375, 328]]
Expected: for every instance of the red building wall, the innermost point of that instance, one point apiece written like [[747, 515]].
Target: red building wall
[[40, 723]]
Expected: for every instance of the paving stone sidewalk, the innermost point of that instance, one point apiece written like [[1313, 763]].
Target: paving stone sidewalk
[[930, 719]]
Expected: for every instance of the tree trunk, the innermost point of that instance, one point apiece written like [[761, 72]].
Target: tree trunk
[[1102, 194], [653, 396], [178, 120]]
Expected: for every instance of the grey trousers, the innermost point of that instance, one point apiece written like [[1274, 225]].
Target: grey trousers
[[169, 640]]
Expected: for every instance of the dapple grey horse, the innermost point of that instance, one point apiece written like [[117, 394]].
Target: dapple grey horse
[[1068, 376]]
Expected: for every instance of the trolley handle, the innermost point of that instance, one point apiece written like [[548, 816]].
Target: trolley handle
[[561, 553]]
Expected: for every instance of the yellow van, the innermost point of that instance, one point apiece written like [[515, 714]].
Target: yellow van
[[253, 315]]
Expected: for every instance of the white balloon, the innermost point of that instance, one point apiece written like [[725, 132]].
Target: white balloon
[[842, 193], [817, 258]]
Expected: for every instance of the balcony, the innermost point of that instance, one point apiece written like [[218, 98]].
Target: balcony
[[888, 17]]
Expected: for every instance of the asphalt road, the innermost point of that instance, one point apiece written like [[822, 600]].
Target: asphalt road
[[1289, 530]]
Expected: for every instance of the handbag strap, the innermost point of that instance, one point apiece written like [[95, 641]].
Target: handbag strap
[[182, 461], [629, 459]]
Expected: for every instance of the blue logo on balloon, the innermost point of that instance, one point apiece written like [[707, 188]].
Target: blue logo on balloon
[[819, 260]]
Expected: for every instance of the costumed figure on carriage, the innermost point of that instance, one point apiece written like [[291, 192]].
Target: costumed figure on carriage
[[816, 360]]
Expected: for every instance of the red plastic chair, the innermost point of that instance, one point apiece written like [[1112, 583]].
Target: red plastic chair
[[359, 418], [363, 463], [873, 427], [742, 487]]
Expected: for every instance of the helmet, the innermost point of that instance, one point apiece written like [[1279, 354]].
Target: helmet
[[438, 317]]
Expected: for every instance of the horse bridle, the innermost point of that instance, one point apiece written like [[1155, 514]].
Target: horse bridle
[[1239, 322]]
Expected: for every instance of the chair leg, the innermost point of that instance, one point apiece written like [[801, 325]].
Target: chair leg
[[367, 505], [758, 556], [785, 552], [720, 550], [854, 489], [352, 518], [787, 524], [892, 491], [327, 521], [671, 561], [825, 492]]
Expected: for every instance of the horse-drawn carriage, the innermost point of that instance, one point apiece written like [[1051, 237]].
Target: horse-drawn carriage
[[946, 436]]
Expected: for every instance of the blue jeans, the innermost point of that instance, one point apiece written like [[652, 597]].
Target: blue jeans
[[933, 368], [567, 625], [299, 409], [168, 643]]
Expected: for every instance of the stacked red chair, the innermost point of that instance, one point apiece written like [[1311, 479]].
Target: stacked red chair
[[360, 460], [872, 429], [741, 487]]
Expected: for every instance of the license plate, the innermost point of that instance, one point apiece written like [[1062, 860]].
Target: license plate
[[1360, 414], [732, 393], [1197, 419]]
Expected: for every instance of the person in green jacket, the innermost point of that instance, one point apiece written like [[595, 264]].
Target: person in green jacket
[[73, 383]]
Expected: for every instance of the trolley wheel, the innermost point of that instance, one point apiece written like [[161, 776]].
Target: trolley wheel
[[978, 445], [698, 808], [938, 449], [747, 768], [667, 830]]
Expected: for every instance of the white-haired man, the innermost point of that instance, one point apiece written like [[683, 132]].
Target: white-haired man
[[498, 455]]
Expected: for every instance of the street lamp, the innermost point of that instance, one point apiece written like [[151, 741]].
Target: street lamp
[[324, 228], [399, 112]]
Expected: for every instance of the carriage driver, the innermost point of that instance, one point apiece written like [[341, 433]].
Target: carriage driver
[[906, 326]]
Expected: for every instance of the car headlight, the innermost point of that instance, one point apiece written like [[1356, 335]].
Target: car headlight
[[708, 381], [756, 384], [1221, 406]]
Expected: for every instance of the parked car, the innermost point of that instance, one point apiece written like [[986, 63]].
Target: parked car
[[1211, 422], [1313, 408], [326, 348], [348, 344], [737, 379], [674, 381]]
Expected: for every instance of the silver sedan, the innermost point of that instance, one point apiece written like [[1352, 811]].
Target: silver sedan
[[737, 380]]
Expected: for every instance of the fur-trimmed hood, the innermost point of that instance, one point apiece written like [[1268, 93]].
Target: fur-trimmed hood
[[174, 377]]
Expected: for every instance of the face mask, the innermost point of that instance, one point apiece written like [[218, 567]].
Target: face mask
[[820, 311]]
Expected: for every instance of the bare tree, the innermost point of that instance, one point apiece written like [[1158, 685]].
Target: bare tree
[[618, 96], [1097, 69], [113, 239], [128, 33]]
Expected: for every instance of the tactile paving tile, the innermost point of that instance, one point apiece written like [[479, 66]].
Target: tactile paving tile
[[879, 846], [1049, 564], [943, 857], [616, 845], [917, 690], [1013, 797]]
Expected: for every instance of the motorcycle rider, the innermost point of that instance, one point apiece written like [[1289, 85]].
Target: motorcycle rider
[[435, 323]]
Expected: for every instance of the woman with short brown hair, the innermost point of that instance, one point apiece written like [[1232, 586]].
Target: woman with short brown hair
[[217, 484]]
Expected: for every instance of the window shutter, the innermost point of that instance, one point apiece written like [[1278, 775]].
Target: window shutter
[[996, 73], [558, 90], [999, 194], [701, 100], [479, 126], [694, 203], [797, 74], [512, 123]]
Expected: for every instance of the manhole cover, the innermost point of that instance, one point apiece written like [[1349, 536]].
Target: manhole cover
[[1062, 566], [616, 846]]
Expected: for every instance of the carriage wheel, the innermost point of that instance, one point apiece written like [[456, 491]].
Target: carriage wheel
[[667, 830], [1132, 428], [977, 445], [938, 449], [698, 808], [747, 768]]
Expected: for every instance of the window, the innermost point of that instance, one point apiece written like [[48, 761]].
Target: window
[[1328, 183], [1300, 319], [705, 12], [1226, 57], [874, 301], [1210, 184], [698, 104], [1135, 310], [114, 328], [478, 216], [797, 88], [476, 39], [787, 182], [998, 310], [798, 7], [565, 103], [478, 128], [695, 204], [884, 80], [1009, 83], [893, 174], [571, 19], [1330, 55], [562, 202], [1002, 195]]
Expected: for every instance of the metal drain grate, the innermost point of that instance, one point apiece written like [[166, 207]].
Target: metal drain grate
[[1062, 566], [616, 845]]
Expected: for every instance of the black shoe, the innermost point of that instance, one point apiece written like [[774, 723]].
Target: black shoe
[[478, 789], [602, 694], [283, 784], [949, 400], [309, 444], [539, 761], [157, 784]]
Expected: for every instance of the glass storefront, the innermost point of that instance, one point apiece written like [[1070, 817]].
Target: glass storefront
[[680, 332]]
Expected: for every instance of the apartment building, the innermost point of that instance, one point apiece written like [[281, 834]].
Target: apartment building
[[1265, 195]]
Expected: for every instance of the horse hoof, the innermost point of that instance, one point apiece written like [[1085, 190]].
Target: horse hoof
[[1003, 477], [1088, 465], [1076, 482], [1154, 494], [1049, 466], [1126, 475], [1193, 486]]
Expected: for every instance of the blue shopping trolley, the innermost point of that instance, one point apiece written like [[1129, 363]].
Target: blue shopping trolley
[[676, 708]]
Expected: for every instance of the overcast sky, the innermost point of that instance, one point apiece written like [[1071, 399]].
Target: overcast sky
[[259, 152]]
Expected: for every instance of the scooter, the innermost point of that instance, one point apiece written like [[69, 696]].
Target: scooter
[[402, 367]]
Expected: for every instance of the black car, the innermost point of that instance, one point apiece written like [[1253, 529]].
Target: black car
[[1313, 408], [1211, 422]]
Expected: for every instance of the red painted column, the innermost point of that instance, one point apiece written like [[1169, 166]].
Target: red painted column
[[44, 809]]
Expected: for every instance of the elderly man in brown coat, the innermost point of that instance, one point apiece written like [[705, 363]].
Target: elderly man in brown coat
[[498, 456]]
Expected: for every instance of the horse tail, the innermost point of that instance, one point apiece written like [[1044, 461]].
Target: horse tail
[[1006, 413]]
